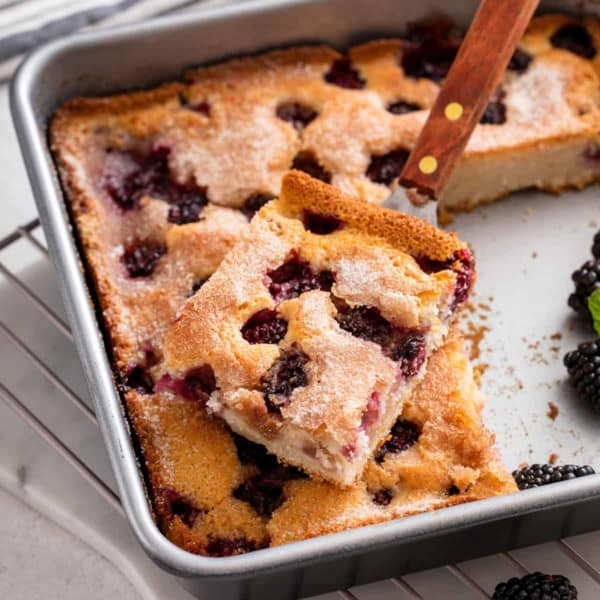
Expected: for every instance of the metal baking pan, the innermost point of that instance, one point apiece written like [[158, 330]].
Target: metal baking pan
[[529, 305]]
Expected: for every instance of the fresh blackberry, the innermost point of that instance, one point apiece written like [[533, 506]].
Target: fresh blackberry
[[536, 586], [587, 280], [583, 365], [596, 246], [538, 475]]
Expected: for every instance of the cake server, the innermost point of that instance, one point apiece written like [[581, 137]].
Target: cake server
[[475, 73]]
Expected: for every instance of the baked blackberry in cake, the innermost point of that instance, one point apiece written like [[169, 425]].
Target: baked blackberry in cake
[[318, 324], [161, 183], [541, 128], [217, 493]]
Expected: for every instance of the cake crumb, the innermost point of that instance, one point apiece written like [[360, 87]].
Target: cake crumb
[[478, 371], [552, 411], [553, 458], [556, 336], [534, 255], [474, 336]]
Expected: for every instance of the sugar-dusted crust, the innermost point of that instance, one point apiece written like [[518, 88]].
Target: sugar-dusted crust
[[353, 388], [194, 454], [408, 234], [453, 449], [221, 127]]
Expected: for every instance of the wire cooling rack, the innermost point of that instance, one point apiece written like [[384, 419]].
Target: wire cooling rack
[[32, 314]]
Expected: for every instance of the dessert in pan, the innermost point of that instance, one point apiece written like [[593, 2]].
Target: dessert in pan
[[161, 185], [318, 325]]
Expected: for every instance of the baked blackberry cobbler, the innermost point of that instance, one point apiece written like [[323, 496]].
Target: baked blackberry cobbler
[[318, 324], [161, 184]]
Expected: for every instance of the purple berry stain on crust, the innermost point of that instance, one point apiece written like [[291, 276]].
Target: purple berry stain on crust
[[430, 48], [410, 350], [464, 277], [495, 111], [407, 346], [222, 546], [131, 175], [137, 376], [285, 375], [576, 39], [404, 434], [462, 263], [520, 61], [384, 168], [140, 259], [453, 491], [402, 108], [251, 453], [188, 206], [255, 202], [371, 413], [320, 223], [592, 153], [307, 163], [297, 114], [198, 384], [264, 327], [295, 277], [200, 106], [383, 497], [264, 492], [343, 74], [175, 504]]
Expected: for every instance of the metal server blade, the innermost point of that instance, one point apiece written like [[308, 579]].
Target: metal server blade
[[411, 202]]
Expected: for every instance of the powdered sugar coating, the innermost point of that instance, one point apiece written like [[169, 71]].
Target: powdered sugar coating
[[172, 430], [370, 267]]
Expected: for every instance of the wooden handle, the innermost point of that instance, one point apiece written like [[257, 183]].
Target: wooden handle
[[482, 58]]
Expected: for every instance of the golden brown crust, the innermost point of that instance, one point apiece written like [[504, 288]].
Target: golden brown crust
[[409, 234], [552, 121], [370, 258]]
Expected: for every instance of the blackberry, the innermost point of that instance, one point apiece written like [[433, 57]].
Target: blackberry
[[574, 38], [536, 586], [495, 111], [596, 246], [401, 107], [297, 114], [264, 327], [343, 74], [307, 163], [538, 475], [294, 277], [587, 280], [255, 202], [384, 168], [285, 375], [520, 61], [222, 546], [320, 223], [583, 366]]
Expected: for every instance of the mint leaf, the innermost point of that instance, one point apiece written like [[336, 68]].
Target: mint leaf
[[594, 306]]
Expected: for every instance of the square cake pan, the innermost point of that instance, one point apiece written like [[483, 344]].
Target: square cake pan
[[141, 55]]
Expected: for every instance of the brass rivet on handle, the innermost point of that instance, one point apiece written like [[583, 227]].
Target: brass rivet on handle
[[428, 165], [453, 111]]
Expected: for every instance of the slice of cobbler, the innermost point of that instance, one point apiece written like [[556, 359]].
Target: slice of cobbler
[[318, 324]]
